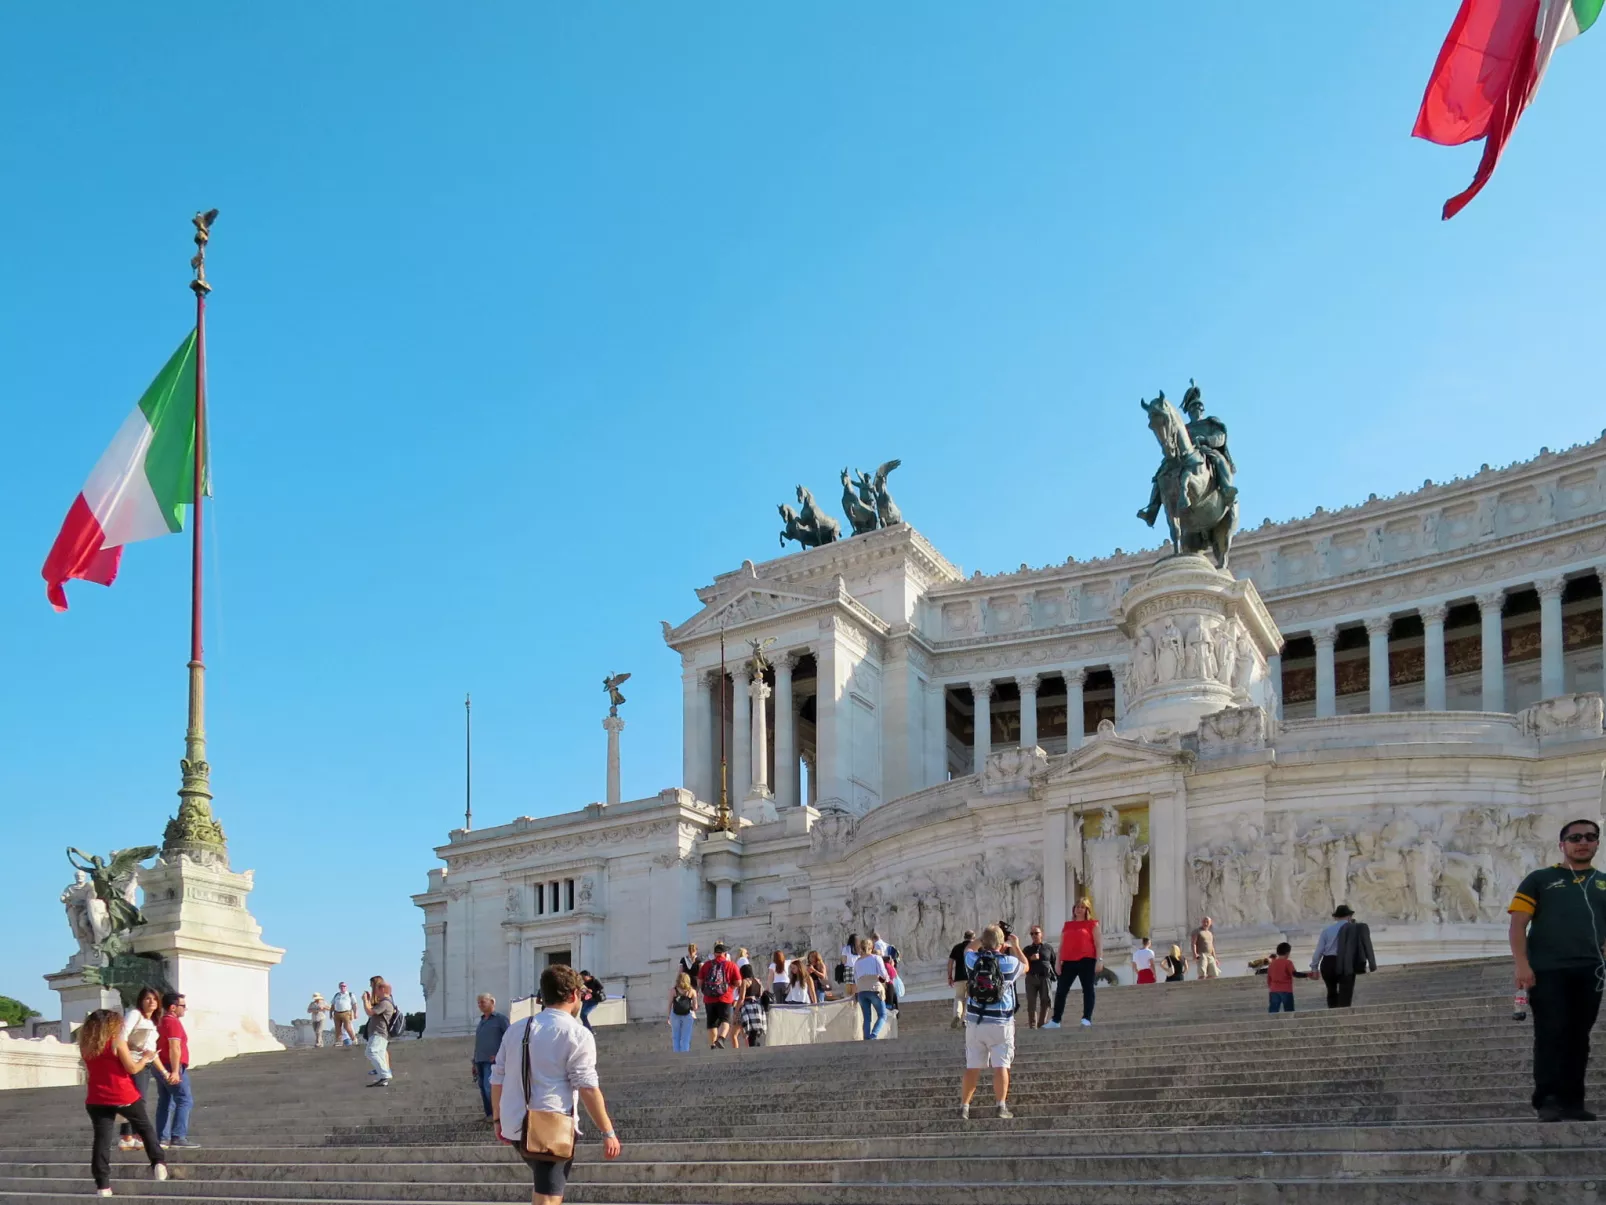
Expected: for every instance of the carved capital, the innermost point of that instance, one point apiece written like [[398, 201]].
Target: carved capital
[[787, 661], [982, 690], [1433, 613], [742, 674], [1324, 637], [759, 690], [1027, 682], [1378, 625], [1492, 600], [710, 678], [1550, 587], [1075, 677]]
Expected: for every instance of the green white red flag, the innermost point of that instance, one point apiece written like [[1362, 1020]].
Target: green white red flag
[[139, 487], [1488, 71]]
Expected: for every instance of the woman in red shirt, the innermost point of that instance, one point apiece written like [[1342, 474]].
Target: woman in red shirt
[[1081, 957], [110, 1067]]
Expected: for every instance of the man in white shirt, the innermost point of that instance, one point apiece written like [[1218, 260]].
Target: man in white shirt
[[562, 1071], [344, 1007]]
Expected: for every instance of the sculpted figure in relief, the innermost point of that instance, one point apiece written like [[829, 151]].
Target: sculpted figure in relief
[[1226, 653], [1105, 857], [1169, 655], [1143, 668], [86, 916], [1244, 662]]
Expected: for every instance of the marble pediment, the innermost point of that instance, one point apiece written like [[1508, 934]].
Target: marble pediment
[[1106, 753], [751, 604]]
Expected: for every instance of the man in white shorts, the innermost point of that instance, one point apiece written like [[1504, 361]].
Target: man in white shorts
[[993, 968]]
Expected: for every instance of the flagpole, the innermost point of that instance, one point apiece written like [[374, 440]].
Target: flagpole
[[468, 764], [194, 831]]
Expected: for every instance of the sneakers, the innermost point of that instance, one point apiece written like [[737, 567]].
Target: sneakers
[[1550, 1110], [378, 1083], [719, 1044], [126, 1143], [103, 1192], [158, 1171], [1578, 1114], [1003, 1111], [183, 1142], [1086, 1023], [964, 1115], [1051, 1024]]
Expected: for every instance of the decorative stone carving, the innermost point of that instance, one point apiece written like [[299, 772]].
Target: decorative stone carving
[[924, 912], [1234, 730], [515, 905], [833, 831], [1012, 769], [1113, 862], [1564, 717]]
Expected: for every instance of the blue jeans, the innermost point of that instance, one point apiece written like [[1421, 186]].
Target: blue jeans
[[680, 1031], [1281, 1002], [482, 1076], [871, 1002], [379, 1054], [173, 1105], [585, 1012]]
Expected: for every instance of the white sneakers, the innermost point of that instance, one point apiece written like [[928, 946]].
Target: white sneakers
[[964, 1115], [103, 1192], [1086, 1023], [1003, 1111], [1051, 1024], [158, 1171]]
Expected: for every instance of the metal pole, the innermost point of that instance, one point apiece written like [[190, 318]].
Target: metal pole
[[468, 762]]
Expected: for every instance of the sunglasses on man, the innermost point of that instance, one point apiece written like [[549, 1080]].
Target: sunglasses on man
[[1580, 838]]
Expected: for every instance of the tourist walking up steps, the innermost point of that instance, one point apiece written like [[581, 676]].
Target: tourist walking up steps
[[1280, 976], [593, 995], [1081, 959], [109, 1070], [682, 1013], [1143, 962], [1558, 940], [870, 981], [173, 1097], [992, 972], [546, 1067], [956, 975], [800, 987], [488, 1035], [1174, 965], [344, 1008], [1203, 941], [754, 1015], [379, 1006], [318, 1013], [719, 982], [139, 1031], [1039, 978], [1343, 951]]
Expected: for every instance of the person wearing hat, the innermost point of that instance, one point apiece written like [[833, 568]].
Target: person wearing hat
[[318, 1010], [1343, 951]]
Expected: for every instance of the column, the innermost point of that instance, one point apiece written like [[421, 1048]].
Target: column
[[515, 970], [614, 726], [1552, 667], [814, 779], [1028, 710], [786, 762], [741, 762], [696, 732], [1494, 651], [936, 734], [1075, 714], [1056, 909], [1433, 655], [982, 741], [759, 692], [1120, 692], [1377, 640], [1168, 857], [1274, 685], [1326, 684]]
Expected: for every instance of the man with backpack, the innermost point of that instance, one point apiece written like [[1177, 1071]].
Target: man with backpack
[[719, 980], [992, 969], [385, 1021]]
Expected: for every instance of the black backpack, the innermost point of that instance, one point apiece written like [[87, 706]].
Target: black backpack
[[986, 986], [397, 1024], [684, 1005]]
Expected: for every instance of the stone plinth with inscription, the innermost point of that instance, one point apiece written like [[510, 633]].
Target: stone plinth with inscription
[[1201, 642], [196, 920]]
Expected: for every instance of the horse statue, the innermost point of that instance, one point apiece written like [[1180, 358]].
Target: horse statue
[[861, 515], [1201, 516], [812, 527]]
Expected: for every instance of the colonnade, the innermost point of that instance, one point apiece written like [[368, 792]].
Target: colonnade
[[1491, 613], [983, 689]]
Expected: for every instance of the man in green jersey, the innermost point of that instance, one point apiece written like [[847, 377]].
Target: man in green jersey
[[1558, 938]]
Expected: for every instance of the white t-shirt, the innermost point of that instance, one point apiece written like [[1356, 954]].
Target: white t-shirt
[[139, 1031], [869, 967], [1142, 959], [880, 947]]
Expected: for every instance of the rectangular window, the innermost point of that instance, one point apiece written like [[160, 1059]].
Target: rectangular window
[[552, 894], [540, 900], [568, 895]]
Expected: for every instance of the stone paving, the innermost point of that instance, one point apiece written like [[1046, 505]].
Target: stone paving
[[1181, 1093]]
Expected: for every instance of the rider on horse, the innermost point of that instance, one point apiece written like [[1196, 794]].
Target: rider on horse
[[1209, 436]]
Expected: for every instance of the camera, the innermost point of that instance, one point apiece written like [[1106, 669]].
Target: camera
[[1003, 926]]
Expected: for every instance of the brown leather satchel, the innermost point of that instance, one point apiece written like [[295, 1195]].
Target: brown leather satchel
[[547, 1134]]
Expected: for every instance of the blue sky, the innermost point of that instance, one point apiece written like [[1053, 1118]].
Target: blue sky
[[528, 315]]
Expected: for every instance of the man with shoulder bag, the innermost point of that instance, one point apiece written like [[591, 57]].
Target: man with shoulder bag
[[1040, 978], [546, 1067]]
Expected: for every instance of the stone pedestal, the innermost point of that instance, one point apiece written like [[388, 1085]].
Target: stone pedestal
[[79, 999], [1200, 642], [196, 920]]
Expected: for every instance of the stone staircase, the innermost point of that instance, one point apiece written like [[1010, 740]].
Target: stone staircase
[[1184, 1094]]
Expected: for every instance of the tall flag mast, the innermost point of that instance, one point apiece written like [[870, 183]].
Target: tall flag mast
[[195, 830], [468, 763]]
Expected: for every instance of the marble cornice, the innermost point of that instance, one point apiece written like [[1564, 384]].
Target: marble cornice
[[814, 565]]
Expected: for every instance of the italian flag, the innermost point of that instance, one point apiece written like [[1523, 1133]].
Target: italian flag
[[138, 488], [1488, 72]]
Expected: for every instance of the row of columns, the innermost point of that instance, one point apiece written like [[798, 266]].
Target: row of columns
[[982, 692], [1491, 612], [748, 757]]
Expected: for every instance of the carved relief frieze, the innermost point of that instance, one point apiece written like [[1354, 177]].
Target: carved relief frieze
[[530, 851]]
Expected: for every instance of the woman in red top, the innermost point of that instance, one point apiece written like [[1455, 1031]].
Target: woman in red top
[[1081, 957], [110, 1068]]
